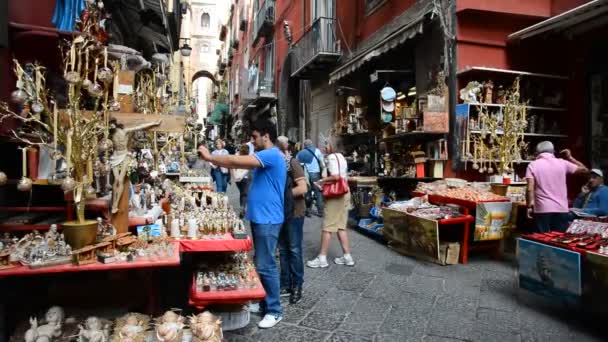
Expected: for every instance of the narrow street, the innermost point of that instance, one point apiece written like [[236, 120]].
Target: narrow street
[[389, 297]]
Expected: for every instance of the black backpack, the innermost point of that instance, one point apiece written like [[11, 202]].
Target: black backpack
[[288, 205]]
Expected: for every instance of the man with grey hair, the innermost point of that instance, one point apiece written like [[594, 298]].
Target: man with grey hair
[[312, 158], [547, 188]]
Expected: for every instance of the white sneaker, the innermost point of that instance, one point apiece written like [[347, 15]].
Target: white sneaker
[[317, 263], [269, 321], [348, 261]]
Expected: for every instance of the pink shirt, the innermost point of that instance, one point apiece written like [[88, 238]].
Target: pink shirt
[[549, 174]]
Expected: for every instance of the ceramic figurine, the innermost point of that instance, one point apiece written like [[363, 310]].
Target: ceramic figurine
[[120, 160], [131, 328], [93, 331], [48, 332], [206, 328], [170, 327]]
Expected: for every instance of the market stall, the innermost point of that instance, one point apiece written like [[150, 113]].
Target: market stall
[[567, 266]]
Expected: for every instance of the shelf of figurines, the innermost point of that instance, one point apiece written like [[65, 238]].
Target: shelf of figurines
[[60, 325], [226, 279], [212, 226], [36, 254]]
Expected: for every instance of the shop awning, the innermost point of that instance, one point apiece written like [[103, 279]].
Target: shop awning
[[402, 28], [217, 115], [575, 21]]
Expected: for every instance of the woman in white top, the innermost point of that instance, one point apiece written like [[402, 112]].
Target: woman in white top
[[241, 178], [220, 175], [336, 211]]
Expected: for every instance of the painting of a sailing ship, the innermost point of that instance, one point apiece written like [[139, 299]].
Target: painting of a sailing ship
[[549, 271]]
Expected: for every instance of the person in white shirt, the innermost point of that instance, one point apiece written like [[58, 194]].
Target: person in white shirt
[[220, 175], [336, 211], [241, 178]]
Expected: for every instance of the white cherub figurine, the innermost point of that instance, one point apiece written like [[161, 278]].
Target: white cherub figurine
[[93, 331], [49, 331], [131, 329], [206, 328], [170, 327]]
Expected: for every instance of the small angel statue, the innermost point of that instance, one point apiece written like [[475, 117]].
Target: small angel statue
[[50, 331], [93, 331]]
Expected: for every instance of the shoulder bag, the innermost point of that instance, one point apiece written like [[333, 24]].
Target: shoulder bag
[[337, 189]]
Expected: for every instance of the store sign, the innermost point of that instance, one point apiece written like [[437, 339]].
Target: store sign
[[549, 271], [492, 219]]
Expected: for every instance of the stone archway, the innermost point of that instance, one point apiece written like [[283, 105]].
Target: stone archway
[[289, 114], [204, 73]]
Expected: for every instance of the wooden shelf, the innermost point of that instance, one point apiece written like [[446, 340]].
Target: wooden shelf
[[470, 69], [548, 135], [416, 135], [498, 105]]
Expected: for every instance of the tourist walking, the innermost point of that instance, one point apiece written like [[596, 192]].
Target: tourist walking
[[265, 208], [241, 178], [219, 174], [336, 209], [312, 158], [547, 188], [292, 232]]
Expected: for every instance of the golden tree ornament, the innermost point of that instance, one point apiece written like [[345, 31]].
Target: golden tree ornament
[[501, 141]]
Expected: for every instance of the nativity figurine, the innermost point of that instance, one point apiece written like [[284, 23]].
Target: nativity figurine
[[120, 160], [170, 327], [50, 331], [93, 331], [206, 328], [131, 328]]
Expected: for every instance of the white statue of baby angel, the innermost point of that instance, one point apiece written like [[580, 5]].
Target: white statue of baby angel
[[49, 331], [93, 331], [206, 328], [132, 328], [171, 324]]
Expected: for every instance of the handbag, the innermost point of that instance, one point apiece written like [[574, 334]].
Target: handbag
[[337, 189]]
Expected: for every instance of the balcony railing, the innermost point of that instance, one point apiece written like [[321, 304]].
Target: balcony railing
[[263, 21], [318, 49]]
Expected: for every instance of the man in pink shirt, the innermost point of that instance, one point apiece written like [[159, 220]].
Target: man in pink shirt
[[547, 188]]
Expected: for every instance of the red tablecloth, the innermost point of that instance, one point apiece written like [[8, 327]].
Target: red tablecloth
[[138, 263], [202, 299], [227, 244]]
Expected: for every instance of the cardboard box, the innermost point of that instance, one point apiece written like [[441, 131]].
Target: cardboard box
[[449, 253]]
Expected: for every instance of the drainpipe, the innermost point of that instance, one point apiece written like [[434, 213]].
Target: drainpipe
[[453, 85]]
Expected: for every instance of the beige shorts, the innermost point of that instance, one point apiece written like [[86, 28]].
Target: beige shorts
[[336, 213]]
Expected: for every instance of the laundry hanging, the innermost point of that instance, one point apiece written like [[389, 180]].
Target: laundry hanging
[[67, 12]]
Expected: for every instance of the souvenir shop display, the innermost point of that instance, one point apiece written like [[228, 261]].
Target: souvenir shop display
[[460, 189], [581, 235], [500, 143], [36, 250], [227, 273], [420, 207]]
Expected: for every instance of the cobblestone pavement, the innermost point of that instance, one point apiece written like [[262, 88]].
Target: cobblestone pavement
[[390, 297]]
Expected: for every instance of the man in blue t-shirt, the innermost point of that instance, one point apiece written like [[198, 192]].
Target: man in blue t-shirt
[[594, 198], [264, 207], [312, 158]]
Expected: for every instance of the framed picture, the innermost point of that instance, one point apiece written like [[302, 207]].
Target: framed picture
[[549, 271]]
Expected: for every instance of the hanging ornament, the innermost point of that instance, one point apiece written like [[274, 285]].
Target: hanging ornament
[[19, 96], [115, 106], [90, 192], [25, 184], [95, 90], [68, 184], [37, 107], [3, 178]]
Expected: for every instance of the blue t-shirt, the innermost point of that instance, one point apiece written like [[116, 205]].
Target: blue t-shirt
[[307, 157], [265, 199], [597, 203]]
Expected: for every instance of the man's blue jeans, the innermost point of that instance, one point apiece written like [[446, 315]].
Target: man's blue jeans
[[290, 249], [221, 180], [265, 238]]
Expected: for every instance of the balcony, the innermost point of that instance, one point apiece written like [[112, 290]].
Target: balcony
[[318, 50], [260, 80], [263, 21]]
